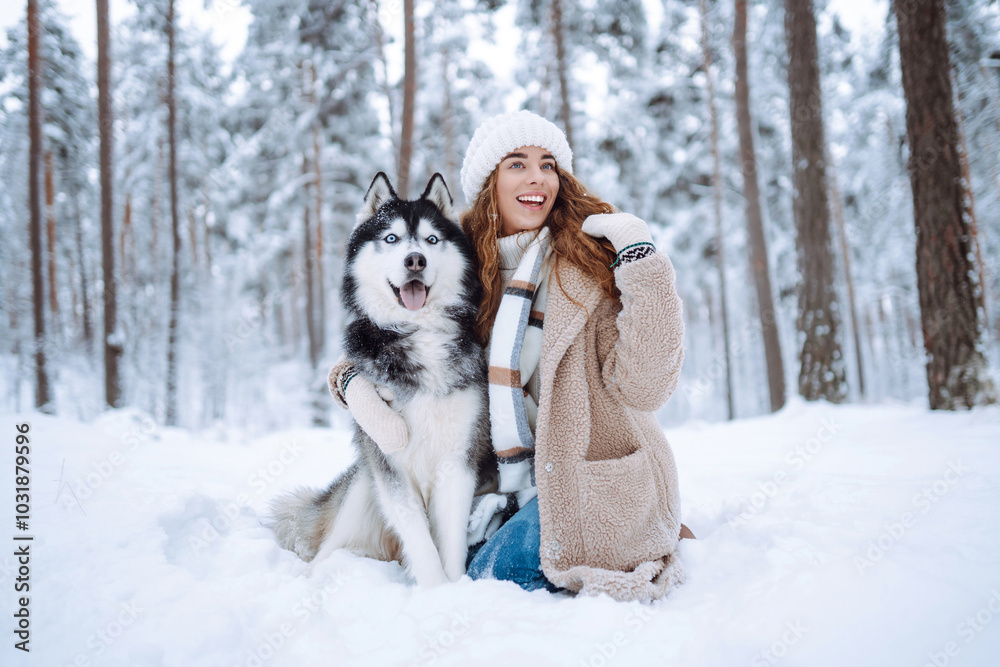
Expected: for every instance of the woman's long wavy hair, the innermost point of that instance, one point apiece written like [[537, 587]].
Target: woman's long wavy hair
[[570, 244]]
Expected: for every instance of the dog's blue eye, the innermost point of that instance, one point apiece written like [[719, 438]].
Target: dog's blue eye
[[432, 240], [391, 238]]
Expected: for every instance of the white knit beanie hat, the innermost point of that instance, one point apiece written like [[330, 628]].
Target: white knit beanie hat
[[497, 137]]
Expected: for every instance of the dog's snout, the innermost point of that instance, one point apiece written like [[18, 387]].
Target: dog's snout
[[415, 262]]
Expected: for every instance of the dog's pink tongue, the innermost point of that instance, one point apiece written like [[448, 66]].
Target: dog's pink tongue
[[414, 294]]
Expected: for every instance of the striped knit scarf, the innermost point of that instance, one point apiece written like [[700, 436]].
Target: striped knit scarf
[[515, 352]]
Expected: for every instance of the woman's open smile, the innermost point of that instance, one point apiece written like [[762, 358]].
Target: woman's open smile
[[527, 185]]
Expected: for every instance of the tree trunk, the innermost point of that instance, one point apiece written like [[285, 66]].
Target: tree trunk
[[308, 263], [175, 283], [318, 250], [112, 346], [128, 263], [821, 375], [50, 233], [409, 93], [720, 259], [448, 125], [950, 296], [193, 239], [545, 91], [206, 236], [845, 251], [156, 214], [320, 277], [755, 223], [963, 155], [88, 331], [561, 69], [43, 399]]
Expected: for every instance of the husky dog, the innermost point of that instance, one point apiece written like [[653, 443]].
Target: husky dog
[[412, 291]]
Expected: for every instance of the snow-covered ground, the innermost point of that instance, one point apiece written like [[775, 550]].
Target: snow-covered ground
[[828, 535]]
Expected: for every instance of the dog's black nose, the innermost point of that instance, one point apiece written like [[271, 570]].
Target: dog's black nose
[[415, 262]]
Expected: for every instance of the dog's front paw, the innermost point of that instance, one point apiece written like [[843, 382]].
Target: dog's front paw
[[430, 576], [455, 573]]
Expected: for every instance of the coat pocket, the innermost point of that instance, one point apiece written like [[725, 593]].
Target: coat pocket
[[625, 519]]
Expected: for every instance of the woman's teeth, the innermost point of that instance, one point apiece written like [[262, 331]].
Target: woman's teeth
[[531, 199]]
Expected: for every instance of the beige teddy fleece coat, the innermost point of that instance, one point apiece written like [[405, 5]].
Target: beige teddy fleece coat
[[607, 483]]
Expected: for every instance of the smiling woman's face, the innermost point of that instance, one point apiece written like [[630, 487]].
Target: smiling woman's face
[[527, 185]]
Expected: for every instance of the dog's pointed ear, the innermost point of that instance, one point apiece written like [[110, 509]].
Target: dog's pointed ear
[[378, 193], [437, 193]]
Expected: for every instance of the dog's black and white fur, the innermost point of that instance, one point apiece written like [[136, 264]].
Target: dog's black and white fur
[[411, 288]]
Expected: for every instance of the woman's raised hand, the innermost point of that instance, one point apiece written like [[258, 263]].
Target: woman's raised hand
[[622, 229]]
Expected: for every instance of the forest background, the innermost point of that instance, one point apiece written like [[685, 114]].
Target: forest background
[[237, 164]]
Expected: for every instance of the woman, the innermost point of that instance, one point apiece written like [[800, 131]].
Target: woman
[[584, 333]]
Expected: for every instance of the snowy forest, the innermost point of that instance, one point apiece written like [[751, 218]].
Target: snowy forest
[[174, 212], [173, 222]]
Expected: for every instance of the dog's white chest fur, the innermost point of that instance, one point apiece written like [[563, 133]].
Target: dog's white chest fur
[[440, 431]]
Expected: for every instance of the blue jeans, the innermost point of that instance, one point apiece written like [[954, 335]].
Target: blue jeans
[[512, 553]]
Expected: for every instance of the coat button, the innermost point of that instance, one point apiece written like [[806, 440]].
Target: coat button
[[549, 467]]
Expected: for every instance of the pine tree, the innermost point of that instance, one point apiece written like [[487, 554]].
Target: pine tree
[[275, 125], [68, 128], [70, 131], [112, 343], [562, 67], [43, 398], [974, 30], [951, 298], [720, 257], [409, 99], [756, 240], [457, 90], [822, 366], [174, 309]]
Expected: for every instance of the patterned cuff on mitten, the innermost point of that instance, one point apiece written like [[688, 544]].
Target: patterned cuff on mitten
[[634, 252], [340, 375]]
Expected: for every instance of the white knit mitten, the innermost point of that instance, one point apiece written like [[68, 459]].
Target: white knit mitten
[[622, 229], [368, 407]]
